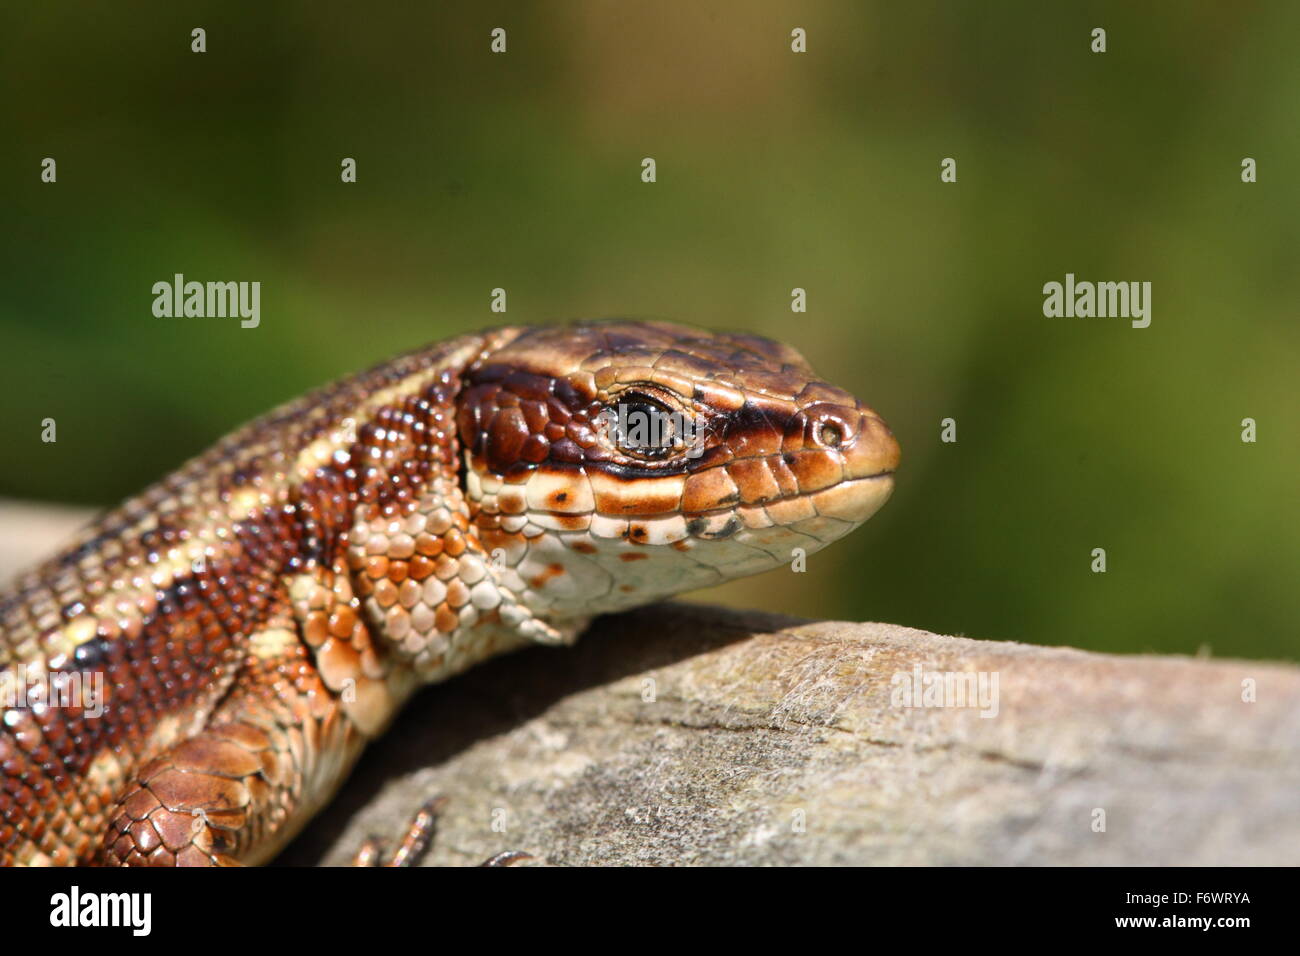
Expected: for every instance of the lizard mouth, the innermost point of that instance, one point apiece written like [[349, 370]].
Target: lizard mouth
[[814, 518], [826, 514]]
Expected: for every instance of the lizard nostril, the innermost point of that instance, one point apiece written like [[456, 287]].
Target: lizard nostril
[[829, 434], [830, 426]]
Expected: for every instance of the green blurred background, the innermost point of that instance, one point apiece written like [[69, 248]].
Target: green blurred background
[[775, 170]]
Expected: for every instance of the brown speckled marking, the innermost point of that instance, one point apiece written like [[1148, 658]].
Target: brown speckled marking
[[264, 611]]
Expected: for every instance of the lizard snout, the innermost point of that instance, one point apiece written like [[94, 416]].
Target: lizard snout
[[867, 455]]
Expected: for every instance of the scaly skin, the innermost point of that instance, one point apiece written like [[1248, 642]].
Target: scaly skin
[[262, 613]]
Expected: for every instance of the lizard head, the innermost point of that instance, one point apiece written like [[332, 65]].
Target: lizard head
[[613, 463]]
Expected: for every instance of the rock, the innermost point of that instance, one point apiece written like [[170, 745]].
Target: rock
[[681, 734]]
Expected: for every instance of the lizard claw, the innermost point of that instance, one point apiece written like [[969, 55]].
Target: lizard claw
[[415, 844]]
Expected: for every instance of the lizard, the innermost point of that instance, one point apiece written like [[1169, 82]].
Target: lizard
[[259, 615]]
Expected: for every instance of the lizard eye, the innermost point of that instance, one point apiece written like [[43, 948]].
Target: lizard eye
[[642, 427]]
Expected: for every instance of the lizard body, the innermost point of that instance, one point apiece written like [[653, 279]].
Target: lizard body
[[263, 612]]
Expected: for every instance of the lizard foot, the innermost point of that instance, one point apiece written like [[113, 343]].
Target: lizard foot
[[415, 844]]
